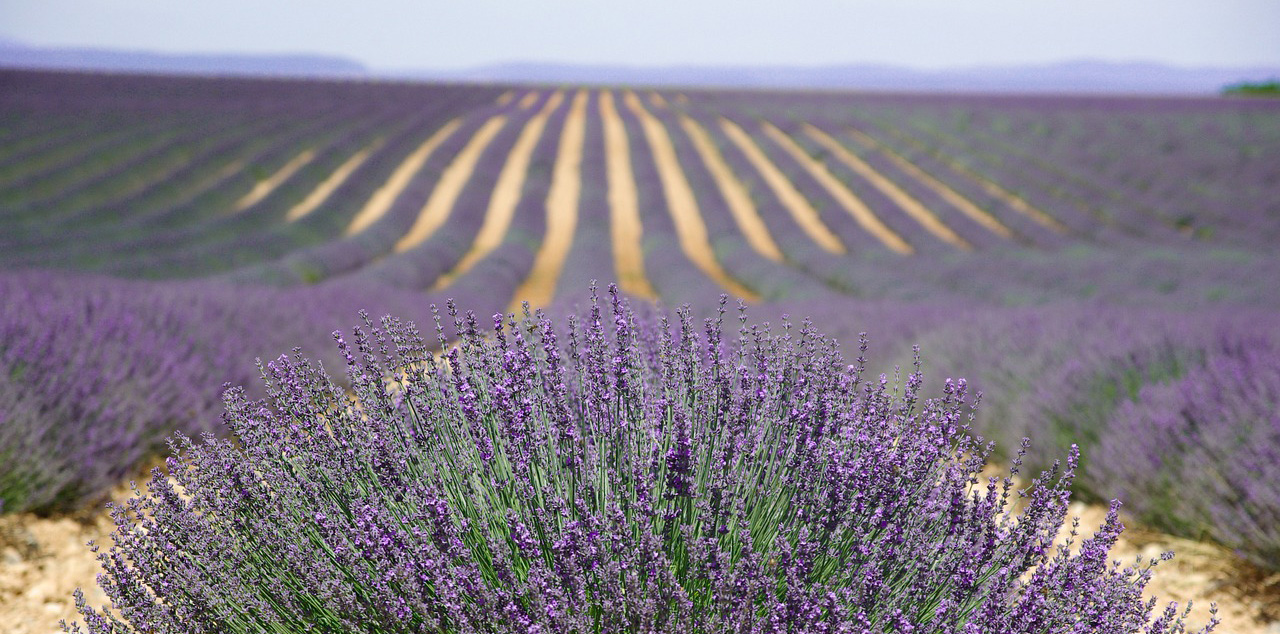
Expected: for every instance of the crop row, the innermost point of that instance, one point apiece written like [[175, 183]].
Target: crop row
[[1136, 167], [757, 200], [910, 217]]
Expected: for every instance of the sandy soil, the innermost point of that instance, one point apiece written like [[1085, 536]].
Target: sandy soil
[[626, 230], [735, 194], [506, 192], [796, 204], [843, 196], [264, 187], [505, 98], [901, 198], [682, 205], [440, 203], [1009, 198], [954, 198], [381, 201], [562, 210], [1248, 599], [528, 100], [335, 180]]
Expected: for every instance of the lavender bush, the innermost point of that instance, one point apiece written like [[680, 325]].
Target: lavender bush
[[627, 474], [1210, 457], [1176, 411], [95, 372]]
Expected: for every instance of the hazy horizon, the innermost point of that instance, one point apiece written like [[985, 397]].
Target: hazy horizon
[[398, 35]]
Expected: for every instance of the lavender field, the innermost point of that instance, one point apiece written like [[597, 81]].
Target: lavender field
[[1102, 269]]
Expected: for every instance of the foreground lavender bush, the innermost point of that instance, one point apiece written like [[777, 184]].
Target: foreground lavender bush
[[626, 475]]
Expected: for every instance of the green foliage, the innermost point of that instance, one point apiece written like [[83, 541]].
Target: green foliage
[[1254, 89]]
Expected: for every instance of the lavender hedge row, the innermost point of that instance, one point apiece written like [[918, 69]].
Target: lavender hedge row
[[669, 270], [774, 281], [118, 227], [620, 475], [96, 372], [1156, 167], [247, 240], [1176, 410], [65, 140], [1210, 459]]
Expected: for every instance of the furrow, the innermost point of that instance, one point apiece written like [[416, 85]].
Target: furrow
[[562, 211], [505, 98], [506, 193], [624, 209], [1009, 198], [268, 185], [528, 100], [681, 203], [846, 198], [335, 180], [902, 199], [438, 207], [382, 199], [735, 194], [799, 207]]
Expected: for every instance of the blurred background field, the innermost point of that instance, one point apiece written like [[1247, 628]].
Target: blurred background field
[[1102, 266]]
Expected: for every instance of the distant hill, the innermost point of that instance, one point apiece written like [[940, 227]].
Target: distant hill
[[16, 55], [1068, 77]]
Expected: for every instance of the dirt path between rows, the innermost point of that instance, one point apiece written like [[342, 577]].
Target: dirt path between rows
[[802, 212], [335, 180], [682, 205], [951, 196], [440, 203], [1009, 198], [897, 195], [735, 194], [381, 201], [528, 100], [562, 211], [506, 193], [626, 230], [264, 187], [862, 214]]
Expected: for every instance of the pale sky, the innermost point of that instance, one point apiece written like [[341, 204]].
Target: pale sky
[[926, 34]]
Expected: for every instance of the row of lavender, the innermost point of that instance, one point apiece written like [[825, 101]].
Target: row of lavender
[[165, 166], [1176, 412], [96, 372], [195, 238], [1118, 166], [307, 252], [147, 235]]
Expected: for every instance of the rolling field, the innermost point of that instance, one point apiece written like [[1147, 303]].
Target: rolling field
[[1104, 269]]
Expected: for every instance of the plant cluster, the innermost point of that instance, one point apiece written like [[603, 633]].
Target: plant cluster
[[627, 474], [1177, 413], [96, 372]]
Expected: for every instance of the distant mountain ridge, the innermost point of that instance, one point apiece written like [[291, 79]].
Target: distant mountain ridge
[[16, 55], [1066, 77]]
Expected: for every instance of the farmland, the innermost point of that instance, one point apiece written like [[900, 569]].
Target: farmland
[[1103, 269]]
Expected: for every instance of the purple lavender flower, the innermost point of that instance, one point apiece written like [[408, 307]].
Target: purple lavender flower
[[629, 474]]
